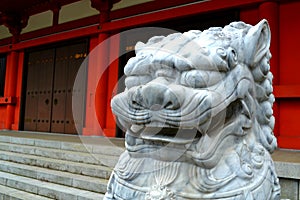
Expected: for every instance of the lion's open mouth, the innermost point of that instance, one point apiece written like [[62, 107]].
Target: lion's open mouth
[[163, 139], [166, 134]]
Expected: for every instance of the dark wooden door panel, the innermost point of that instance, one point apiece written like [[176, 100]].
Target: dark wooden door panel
[[59, 90], [30, 119], [78, 53], [46, 68]]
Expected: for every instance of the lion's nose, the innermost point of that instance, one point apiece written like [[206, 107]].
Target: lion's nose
[[155, 96]]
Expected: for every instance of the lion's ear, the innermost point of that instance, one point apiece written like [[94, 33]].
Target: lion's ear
[[257, 42]]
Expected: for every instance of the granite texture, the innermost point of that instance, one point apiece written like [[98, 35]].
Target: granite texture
[[289, 188], [197, 110]]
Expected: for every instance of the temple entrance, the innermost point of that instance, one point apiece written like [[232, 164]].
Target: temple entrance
[[49, 86]]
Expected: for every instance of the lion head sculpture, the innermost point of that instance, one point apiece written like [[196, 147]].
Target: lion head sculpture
[[197, 110]]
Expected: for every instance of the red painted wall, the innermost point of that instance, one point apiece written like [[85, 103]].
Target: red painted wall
[[289, 43], [289, 102], [285, 69]]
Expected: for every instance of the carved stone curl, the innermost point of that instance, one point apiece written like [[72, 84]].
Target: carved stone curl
[[197, 110]]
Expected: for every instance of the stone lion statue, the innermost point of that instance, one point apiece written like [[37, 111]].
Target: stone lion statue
[[197, 110]]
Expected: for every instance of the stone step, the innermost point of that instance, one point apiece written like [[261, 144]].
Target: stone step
[[56, 164], [101, 145], [14, 194], [49, 166], [46, 189], [83, 157], [53, 176]]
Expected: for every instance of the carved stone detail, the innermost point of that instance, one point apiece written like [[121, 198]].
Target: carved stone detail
[[158, 192], [197, 110]]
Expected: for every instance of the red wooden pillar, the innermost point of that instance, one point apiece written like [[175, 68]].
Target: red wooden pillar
[[11, 86], [100, 66], [15, 25], [270, 10], [101, 90], [18, 92], [101, 86], [91, 126]]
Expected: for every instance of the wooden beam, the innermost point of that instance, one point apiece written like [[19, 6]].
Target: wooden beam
[[88, 21], [5, 49], [148, 7], [177, 12], [84, 32], [287, 91]]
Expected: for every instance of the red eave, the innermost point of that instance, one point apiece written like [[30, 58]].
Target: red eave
[[177, 12], [73, 29], [88, 21], [83, 32], [30, 7], [148, 7]]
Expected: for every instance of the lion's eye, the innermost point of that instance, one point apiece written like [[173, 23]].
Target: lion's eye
[[132, 81], [200, 78], [233, 58]]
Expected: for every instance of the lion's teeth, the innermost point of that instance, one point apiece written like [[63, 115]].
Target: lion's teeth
[[245, 110]]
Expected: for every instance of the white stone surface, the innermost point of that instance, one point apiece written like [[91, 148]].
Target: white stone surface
[[58, 177], [71, 155], [62, 165], [50, 190], [58, 169], [14, 194], [197, 109]]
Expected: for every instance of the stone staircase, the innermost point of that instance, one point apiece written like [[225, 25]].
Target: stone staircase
[[51, 166]]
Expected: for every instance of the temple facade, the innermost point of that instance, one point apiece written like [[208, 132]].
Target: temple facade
[[45, 45]]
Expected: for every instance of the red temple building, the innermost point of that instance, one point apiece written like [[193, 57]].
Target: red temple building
[[39, 39], [45, 43]]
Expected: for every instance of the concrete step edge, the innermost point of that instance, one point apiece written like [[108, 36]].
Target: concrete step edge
[[56, 164], [83, 157], [14, 194], [53, 176], [46, 189], [105, 147]]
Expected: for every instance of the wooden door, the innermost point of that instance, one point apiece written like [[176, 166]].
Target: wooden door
[[50, 80], [68, 61], [39, 90]]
